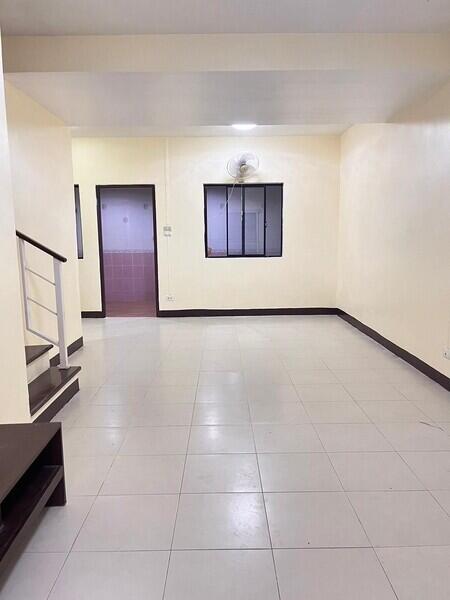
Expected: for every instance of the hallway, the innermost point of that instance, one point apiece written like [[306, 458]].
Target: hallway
[[252, 458]]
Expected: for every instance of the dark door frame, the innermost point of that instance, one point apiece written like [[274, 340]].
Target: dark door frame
[[98, 189]]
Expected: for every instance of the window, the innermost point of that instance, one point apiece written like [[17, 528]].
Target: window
[[78, 222], [243, 220]]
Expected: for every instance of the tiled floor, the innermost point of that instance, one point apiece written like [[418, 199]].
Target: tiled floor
[[272, 458], [144, 308]]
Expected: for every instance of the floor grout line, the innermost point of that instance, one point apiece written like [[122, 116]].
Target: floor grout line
[[179, 496], [263, 497]]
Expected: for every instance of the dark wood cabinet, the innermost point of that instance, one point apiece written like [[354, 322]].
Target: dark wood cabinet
[[31, 477]]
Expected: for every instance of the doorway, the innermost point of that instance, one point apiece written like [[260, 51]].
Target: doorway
[[128, 250]]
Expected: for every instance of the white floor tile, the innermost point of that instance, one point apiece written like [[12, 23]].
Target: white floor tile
[[69, 414], [220, 360], [180, 363], [352, 437], [171, 393], [286, 438], [33, 576], [370, 471], [112, 576], [221, 413], [144, 475], [348, 376], [129, 523], [119, 394], [271, 393], [305, 376], [344, 363], [221, 393], [221, 473], [295, 363], [258, 358], [93, 441], [311, 472], [331, 574], [426, 391], [220, 378], [221, 439], [158, 414], [221, 575], [326, 392], [59, 526], [155, 440], [335, 412], [86, 474], [266, 376], [417, 573], [367, 392], [388, 411], [445, 427], [104, 416], [278, 412], [443, 498], [313, 520], [221, 521], [402, 518], [405, 374], [123, 375], [432, 468], [437, 409], [415, 436], [188, 377], [85, 395]]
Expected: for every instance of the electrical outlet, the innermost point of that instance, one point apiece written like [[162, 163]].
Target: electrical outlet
[[447, 353], [171, 298]]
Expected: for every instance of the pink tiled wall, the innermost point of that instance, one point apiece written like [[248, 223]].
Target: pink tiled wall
[[129, 276]]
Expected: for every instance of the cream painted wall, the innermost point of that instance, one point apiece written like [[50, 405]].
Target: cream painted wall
[[41, 164], [309, 168], [13, 389], [394, 242]]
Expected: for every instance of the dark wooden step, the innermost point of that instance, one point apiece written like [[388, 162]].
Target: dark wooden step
[[43, 388], [34, 352]]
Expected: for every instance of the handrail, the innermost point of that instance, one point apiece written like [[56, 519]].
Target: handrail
[[57, 284], [25, 238]]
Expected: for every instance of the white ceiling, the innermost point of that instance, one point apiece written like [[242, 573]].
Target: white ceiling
[[66, 17], [321, 101]]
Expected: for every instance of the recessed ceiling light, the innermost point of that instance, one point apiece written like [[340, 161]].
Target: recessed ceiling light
[[244, 126]]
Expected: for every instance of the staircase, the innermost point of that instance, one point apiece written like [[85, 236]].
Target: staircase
[[49, 387]]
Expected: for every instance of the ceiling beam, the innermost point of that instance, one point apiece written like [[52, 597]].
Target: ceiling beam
[[226, 52]]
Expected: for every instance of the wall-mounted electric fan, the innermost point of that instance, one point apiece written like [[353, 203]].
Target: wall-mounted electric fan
[[243, 165]]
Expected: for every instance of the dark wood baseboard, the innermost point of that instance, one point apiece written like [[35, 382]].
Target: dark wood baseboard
[[93, 314], [71, 348], [58, 404], [414, 361], [244, 312]]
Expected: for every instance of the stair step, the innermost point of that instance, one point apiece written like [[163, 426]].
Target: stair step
[[47, 385], [36, 351]]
